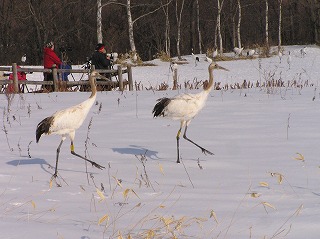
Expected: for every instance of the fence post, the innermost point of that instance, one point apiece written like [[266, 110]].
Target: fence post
[[15, 78], [120, 77], [175, 79], [55, 78], [130, 77]]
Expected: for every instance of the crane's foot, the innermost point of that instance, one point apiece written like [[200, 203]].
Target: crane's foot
[[97, 165], [54, 179], [206, 151]]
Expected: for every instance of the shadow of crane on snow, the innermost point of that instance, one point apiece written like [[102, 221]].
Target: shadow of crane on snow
[[41, 162], [137, 150]]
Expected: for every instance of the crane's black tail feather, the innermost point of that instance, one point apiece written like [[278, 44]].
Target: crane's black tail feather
[[43, 127], [158, 109]]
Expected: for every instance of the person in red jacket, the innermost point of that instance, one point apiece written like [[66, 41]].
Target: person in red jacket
[[50, 60], [21, 76]]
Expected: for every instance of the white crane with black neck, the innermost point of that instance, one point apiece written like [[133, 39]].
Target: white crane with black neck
[[65, 122], [185, 107]]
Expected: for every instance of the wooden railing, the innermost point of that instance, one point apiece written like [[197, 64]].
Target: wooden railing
[[55, 83]]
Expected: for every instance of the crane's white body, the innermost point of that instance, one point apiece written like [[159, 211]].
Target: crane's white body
[[237, 51], [251, 52], [215, 53], [303, 51], [280, 56], [289, 60], [65, 122], [24, 58], [185, 107]]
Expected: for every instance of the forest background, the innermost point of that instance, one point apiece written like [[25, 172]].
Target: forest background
[[150, 27]]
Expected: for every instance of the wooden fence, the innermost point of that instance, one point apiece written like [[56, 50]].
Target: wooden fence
[[55, 83]]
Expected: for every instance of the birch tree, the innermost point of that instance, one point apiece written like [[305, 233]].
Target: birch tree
[[99, 22], [130, 27], [131, 22], [179, 18], [198, 27], [167, 28], [267, 28], [239, 24], [279, 27], [218, 26]]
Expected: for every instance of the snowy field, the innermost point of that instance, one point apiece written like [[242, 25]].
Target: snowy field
[[261, 182]]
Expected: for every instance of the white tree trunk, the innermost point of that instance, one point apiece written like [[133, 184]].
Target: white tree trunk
[[198, 27], [99, 22], [167, 31], [267, 28], [178, 17], [130, 26], [220, 4], [280, 23], [239, 25]]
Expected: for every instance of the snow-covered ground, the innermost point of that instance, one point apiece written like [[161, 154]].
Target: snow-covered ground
[[261, 182]]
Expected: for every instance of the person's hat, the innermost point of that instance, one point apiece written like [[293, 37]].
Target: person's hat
[[49, 44], [99, 46]]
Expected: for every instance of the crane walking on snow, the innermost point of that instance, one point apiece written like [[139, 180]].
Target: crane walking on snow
[[185, 107], [65, 122], [195, 58]]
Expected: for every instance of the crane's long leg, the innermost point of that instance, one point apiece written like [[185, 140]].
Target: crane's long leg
[[178, 137], [93, 163], [202, 149], [57, 159]]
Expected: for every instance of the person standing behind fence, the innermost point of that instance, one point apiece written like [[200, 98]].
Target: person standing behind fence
[[50, 60]]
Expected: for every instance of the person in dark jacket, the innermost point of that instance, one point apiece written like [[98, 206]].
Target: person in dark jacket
[[50, 60], [99, 58]]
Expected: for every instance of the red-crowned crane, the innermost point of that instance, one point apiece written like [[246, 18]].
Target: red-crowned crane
[[215, 53], [185, 107], [289, 60], [303, 51], [237, 51], [195, 58], [24, 58], [280, 55], [251, 52], [65, 122]]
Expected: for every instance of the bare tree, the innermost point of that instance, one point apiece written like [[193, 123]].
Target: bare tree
[[239, 24], [267, 28], [130, 27], [198, 27], [279, 26], [99, 22], [314, 6], [218, 26], [179, 19], [76, 24], [6, 24], [131, 21], [167, 27]]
